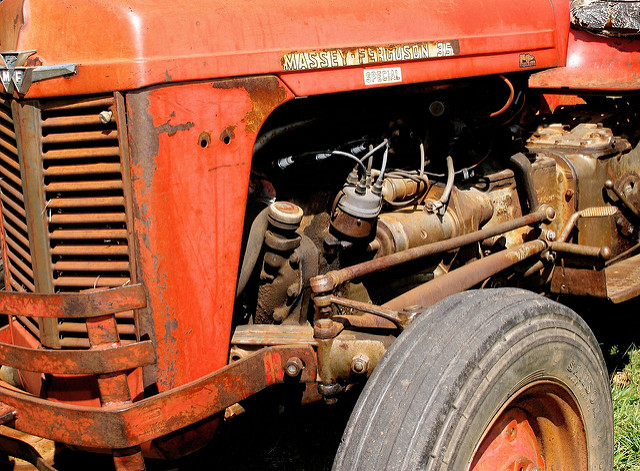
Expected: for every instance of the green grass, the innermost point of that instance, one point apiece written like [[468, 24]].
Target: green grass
[[625, 389]]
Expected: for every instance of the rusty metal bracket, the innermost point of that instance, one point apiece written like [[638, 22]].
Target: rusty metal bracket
[[123, 426]]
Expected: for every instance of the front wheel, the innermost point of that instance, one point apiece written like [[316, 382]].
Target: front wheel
[[498, 379]]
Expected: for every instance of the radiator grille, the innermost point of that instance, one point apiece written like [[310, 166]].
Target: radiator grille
[[14, 217], [85, 204]]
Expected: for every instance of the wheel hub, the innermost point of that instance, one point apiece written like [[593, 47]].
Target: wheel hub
[[510, 445]]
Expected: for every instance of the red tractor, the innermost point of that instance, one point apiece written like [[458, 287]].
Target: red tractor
[[199, 203]]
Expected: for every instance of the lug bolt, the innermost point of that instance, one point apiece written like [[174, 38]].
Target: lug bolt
[[293, 367], [551, 236]]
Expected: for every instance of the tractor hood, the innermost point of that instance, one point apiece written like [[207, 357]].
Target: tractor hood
[[129, 44]]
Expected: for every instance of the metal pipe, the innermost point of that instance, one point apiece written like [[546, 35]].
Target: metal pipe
[[388, 314], [522, 164], [466, 277], [327, 282], [582, 250], [509, 100]]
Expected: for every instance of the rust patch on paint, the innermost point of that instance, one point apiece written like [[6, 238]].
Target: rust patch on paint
[[143, 143], [265, 93], [34, 62], [173, 129]]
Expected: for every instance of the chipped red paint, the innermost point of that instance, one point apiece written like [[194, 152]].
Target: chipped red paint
[[189, 202], [594, 63]]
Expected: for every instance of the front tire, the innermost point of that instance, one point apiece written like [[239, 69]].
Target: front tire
[[486, 380]]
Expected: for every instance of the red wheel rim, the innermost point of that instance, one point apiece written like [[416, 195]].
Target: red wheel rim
[[540, 428]]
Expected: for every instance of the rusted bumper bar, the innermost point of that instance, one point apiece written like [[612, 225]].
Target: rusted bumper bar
[[139, 422], [74, 305], [109, 360]]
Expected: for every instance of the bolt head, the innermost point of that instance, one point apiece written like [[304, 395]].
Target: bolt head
[[293, 367], [360, 364], [105, 117]]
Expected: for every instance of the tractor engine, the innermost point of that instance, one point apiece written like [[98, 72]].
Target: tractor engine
[[358, 176]]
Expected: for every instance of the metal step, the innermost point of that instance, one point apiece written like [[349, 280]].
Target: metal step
[[623, 279]]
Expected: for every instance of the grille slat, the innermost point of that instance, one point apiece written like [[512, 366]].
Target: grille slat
[[91, 266], [19, 249], [19, 263], [5, 113], [10, 162], [6, 172], [73, 121], [82, 169], [14, 232], [15, 273], [29, 324], [73, 137], [13, 205], [84, 218], [86, 202], [16, 286], [81, 327], [84, 186], [8, 189], [84, 282], [105, 234], [81, 153], [7, 130], [14, 217], [16, 221], [5, 144], [88, 250]]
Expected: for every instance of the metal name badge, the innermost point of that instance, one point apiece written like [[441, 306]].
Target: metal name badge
[[15, 76]]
